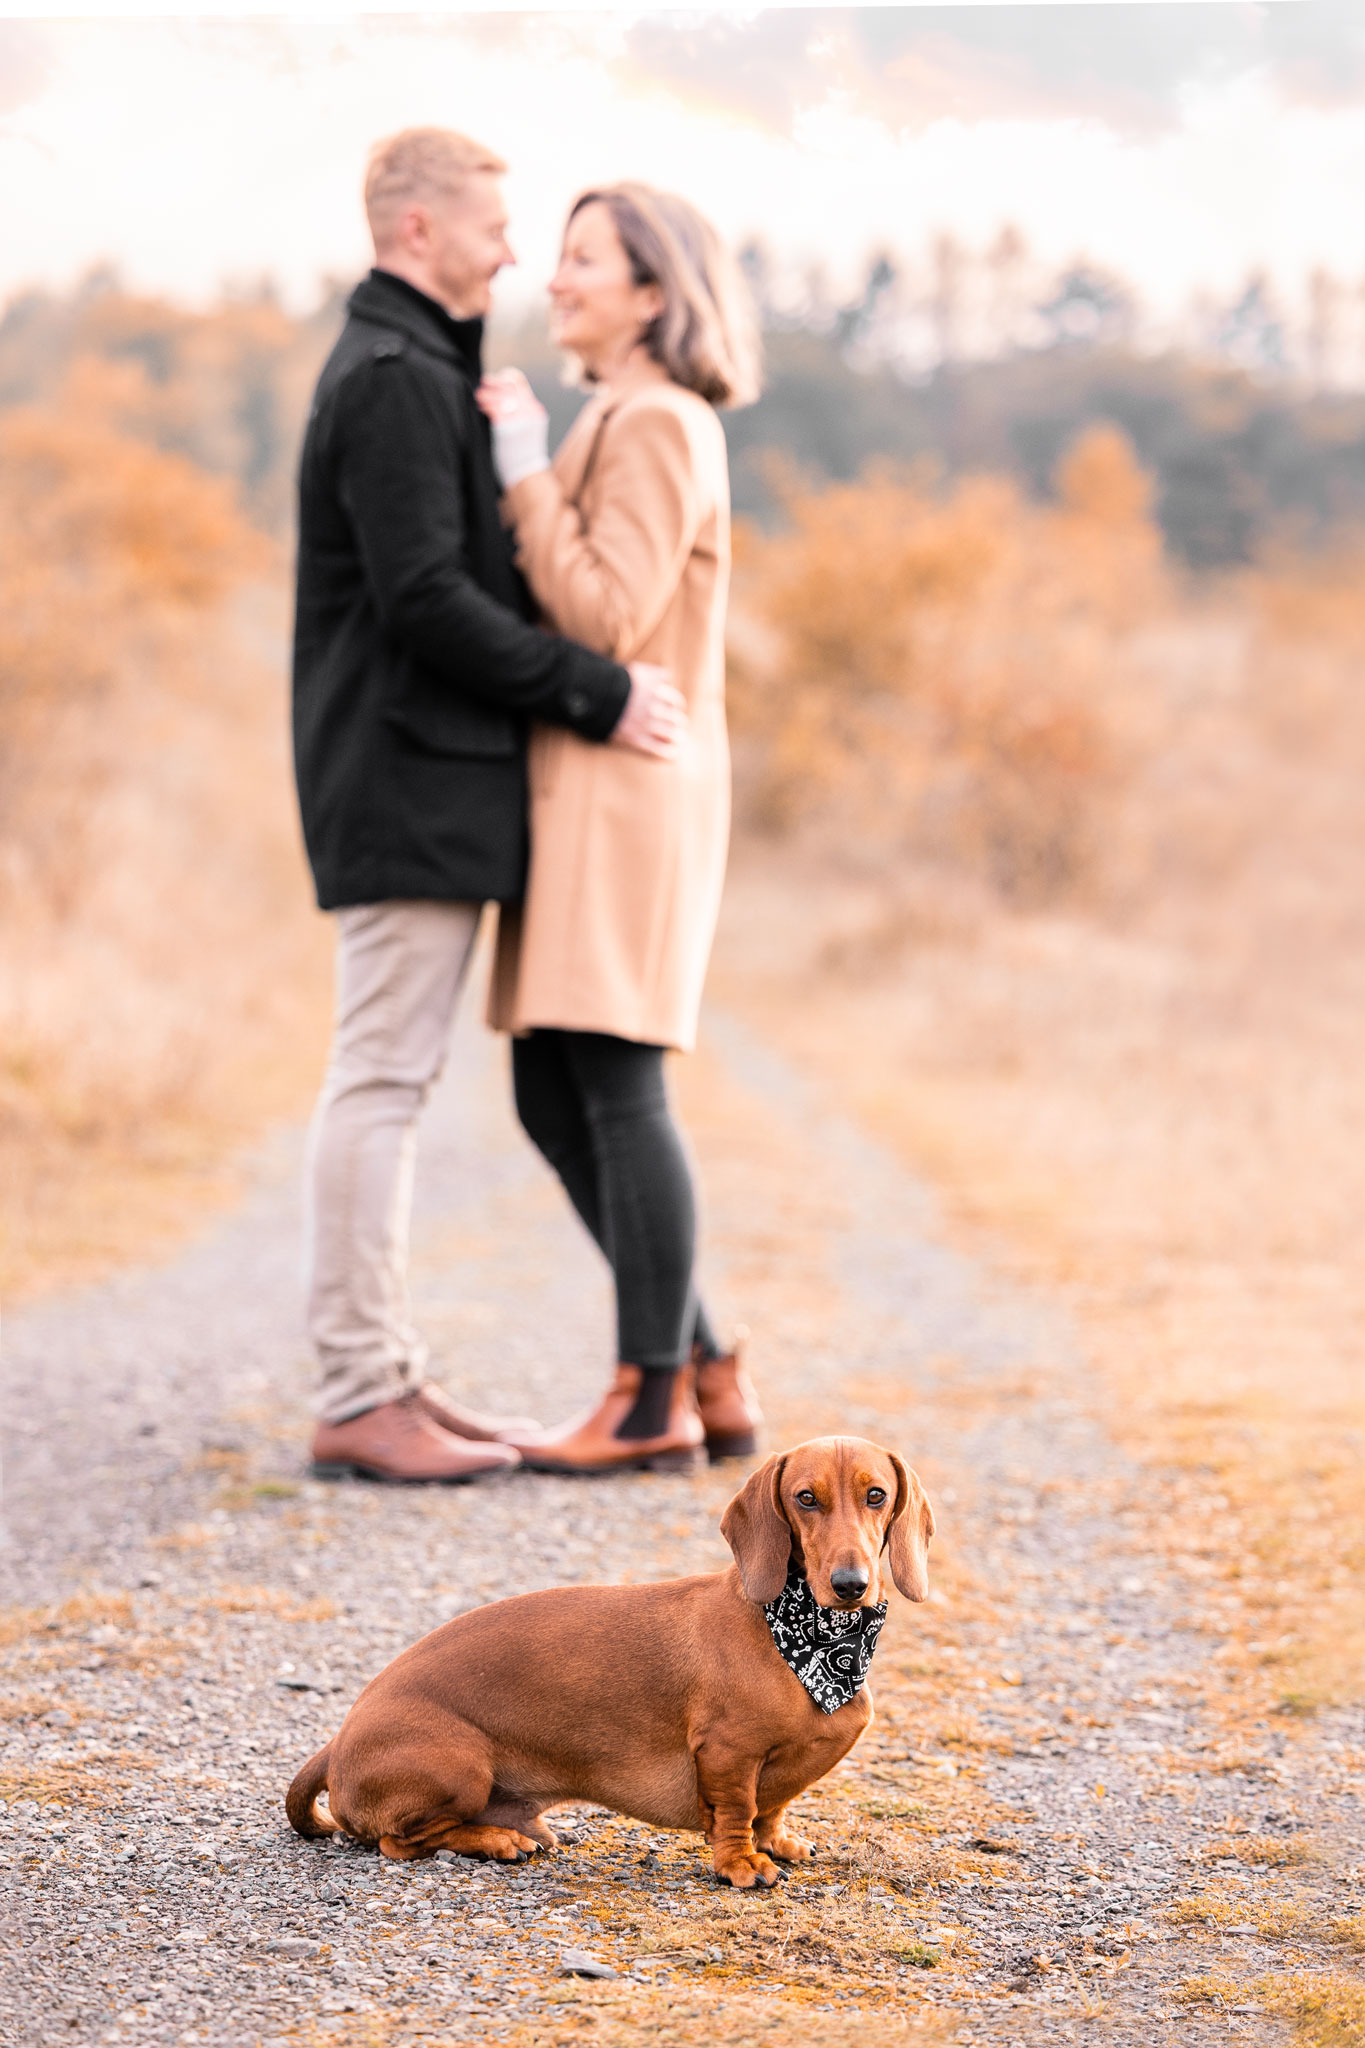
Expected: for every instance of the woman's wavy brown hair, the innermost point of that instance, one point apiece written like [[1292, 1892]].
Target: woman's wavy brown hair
[[706, 336]]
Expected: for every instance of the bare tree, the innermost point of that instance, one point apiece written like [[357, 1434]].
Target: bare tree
[[1007, 263], [948, 260], [1322, 336]]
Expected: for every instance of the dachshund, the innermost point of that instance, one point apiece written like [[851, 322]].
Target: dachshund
[[681, 1704]]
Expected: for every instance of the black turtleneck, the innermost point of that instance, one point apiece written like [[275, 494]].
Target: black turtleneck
[[464, 336]]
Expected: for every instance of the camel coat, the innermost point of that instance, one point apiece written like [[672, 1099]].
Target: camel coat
[[625, 543]]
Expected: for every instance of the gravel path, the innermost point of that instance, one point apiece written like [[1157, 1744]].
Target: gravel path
[[193, 1616]]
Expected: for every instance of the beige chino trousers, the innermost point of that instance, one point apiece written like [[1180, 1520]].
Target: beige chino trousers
[[400, 970]]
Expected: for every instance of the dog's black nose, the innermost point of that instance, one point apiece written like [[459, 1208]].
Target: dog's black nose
[[849, 1582]]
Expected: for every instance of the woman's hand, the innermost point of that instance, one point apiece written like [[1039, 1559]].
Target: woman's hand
[[521, 426]]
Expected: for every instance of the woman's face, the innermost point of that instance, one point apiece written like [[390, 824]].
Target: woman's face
[[597, 309]]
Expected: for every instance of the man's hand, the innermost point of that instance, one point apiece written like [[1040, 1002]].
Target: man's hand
[[655, 718]]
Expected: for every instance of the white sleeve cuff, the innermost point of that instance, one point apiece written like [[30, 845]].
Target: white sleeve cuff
[[521, 448]]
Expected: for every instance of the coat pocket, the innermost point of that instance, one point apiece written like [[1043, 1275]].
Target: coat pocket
[[438, 720]]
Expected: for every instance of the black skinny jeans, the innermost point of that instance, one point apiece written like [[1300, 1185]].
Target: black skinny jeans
[[597, 1108]]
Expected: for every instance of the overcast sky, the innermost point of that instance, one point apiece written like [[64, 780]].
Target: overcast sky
[[1182, 144]]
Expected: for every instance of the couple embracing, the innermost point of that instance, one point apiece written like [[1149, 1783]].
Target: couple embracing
[[509, 688]]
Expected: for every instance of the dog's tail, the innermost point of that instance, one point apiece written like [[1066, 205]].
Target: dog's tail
[[301, 1800]]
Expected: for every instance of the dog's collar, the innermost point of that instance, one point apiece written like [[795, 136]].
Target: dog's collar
[[829, 1648]]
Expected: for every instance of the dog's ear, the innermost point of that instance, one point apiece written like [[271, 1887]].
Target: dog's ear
[[758, 1532], [908, 1534]]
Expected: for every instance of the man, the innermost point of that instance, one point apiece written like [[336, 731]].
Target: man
[[416, 669]]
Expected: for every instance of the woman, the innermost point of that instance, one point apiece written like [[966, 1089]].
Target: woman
[[625, 543]]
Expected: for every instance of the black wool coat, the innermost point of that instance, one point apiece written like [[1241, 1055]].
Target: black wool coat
[[416, 665]]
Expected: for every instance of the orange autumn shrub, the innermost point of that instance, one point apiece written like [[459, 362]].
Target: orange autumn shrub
[[159, 974], [108, 548], [949, 667]]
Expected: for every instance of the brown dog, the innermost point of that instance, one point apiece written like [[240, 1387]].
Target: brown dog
[[669, 1702]]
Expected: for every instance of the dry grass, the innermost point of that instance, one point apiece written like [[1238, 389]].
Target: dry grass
[[1268, 1852], [269, 1600], [607, 2017], [89, 1780], [878, 1938], [1113, 1160], [102, 1627], [1222, 1989], [32, 1706], [1282, 1921], [1326, 2011], [622, 2016], [75, 1618]]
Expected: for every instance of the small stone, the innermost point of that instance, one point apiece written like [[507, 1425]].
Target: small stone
[[576, 1962], [293, 1945]]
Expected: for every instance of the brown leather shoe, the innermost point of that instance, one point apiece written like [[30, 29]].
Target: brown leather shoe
[[592, 1445], [469, 1423], [399, 1442], [729, 1407]]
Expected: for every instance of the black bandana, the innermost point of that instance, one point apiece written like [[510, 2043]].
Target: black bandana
[[829, 1648]]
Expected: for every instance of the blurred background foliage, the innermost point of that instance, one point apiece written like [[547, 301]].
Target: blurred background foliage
[[1243, 448], [1049, 624]]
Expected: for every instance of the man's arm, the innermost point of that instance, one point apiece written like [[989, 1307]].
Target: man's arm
[[397, 467]]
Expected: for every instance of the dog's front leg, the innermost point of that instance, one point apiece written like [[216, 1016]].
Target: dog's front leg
[[727, 1786], [772, 1835]]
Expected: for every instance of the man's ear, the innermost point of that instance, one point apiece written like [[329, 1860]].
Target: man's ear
[[758, 1532], [908, 1534]]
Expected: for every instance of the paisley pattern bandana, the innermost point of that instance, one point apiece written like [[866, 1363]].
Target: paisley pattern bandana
[[830, 1650]]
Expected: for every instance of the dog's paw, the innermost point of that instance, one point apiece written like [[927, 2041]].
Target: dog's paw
[[514, 1846], [502, 1845], [788, 1849], [748, 1870]]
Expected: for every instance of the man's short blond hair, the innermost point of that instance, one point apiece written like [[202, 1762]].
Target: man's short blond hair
[[420, 164]]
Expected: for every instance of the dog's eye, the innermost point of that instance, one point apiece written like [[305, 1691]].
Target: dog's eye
[[807, 1499], [875, 1496]]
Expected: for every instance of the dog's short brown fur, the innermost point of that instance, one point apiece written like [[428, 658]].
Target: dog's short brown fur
[[667, 1702]]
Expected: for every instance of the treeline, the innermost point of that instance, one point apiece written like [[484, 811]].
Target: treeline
[[1240, 461], [229, 388]]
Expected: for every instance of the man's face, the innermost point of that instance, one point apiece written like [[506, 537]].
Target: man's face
[[467, 246]]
